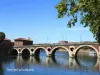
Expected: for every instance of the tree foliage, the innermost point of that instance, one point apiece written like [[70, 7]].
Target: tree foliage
[[89, 10], [2, 36]]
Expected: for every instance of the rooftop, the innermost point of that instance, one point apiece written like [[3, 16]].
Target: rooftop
[[22, 39], [6, 39]]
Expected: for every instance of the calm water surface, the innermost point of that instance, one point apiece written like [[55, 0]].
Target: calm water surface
[[61, 64]]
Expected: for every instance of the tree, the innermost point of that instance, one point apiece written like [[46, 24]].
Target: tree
[[89, 10], [2, 36]]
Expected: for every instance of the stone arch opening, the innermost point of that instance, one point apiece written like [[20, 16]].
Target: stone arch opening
[[39, 51], [86, 50], [26, 52], [59, 49], [32, 50], [19, 50], [14, 52], [72, 49]]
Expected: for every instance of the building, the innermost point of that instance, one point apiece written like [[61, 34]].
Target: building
[[5, 46], [7, 42], [22, 42], [63, 42]]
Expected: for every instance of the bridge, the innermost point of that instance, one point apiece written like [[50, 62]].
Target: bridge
[[50, 49]]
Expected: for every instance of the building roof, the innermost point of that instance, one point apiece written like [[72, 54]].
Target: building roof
[[6, 39], [22, 39]]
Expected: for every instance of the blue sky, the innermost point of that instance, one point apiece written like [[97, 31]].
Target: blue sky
[[38, 20]]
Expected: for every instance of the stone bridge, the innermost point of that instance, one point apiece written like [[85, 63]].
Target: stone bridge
[[50, 49]]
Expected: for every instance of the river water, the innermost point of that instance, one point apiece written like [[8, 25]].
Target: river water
[[61, 64]]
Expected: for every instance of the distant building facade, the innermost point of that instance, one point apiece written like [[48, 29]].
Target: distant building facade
[[63, 42], [5, 46], [8, 42], [22, 42]]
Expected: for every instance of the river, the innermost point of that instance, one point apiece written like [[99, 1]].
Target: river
[[61, 64]]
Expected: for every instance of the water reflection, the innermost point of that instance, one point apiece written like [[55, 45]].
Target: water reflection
[[58, 62], [1, 69], [70, 63], [86, 61], [21, 61], [51, 61], [5, 61]]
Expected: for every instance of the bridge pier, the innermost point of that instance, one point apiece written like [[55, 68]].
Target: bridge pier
[[71, 55], [98, 55], [48, 54]]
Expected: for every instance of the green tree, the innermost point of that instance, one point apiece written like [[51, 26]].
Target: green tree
[[2, 36], [89, 10]]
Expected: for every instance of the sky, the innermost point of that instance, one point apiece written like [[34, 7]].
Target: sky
[[38, 20]]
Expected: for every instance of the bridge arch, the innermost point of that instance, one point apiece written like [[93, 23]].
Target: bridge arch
[[26, 51], [37, 50], [14, 52], [90, 46], [53, 51]]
